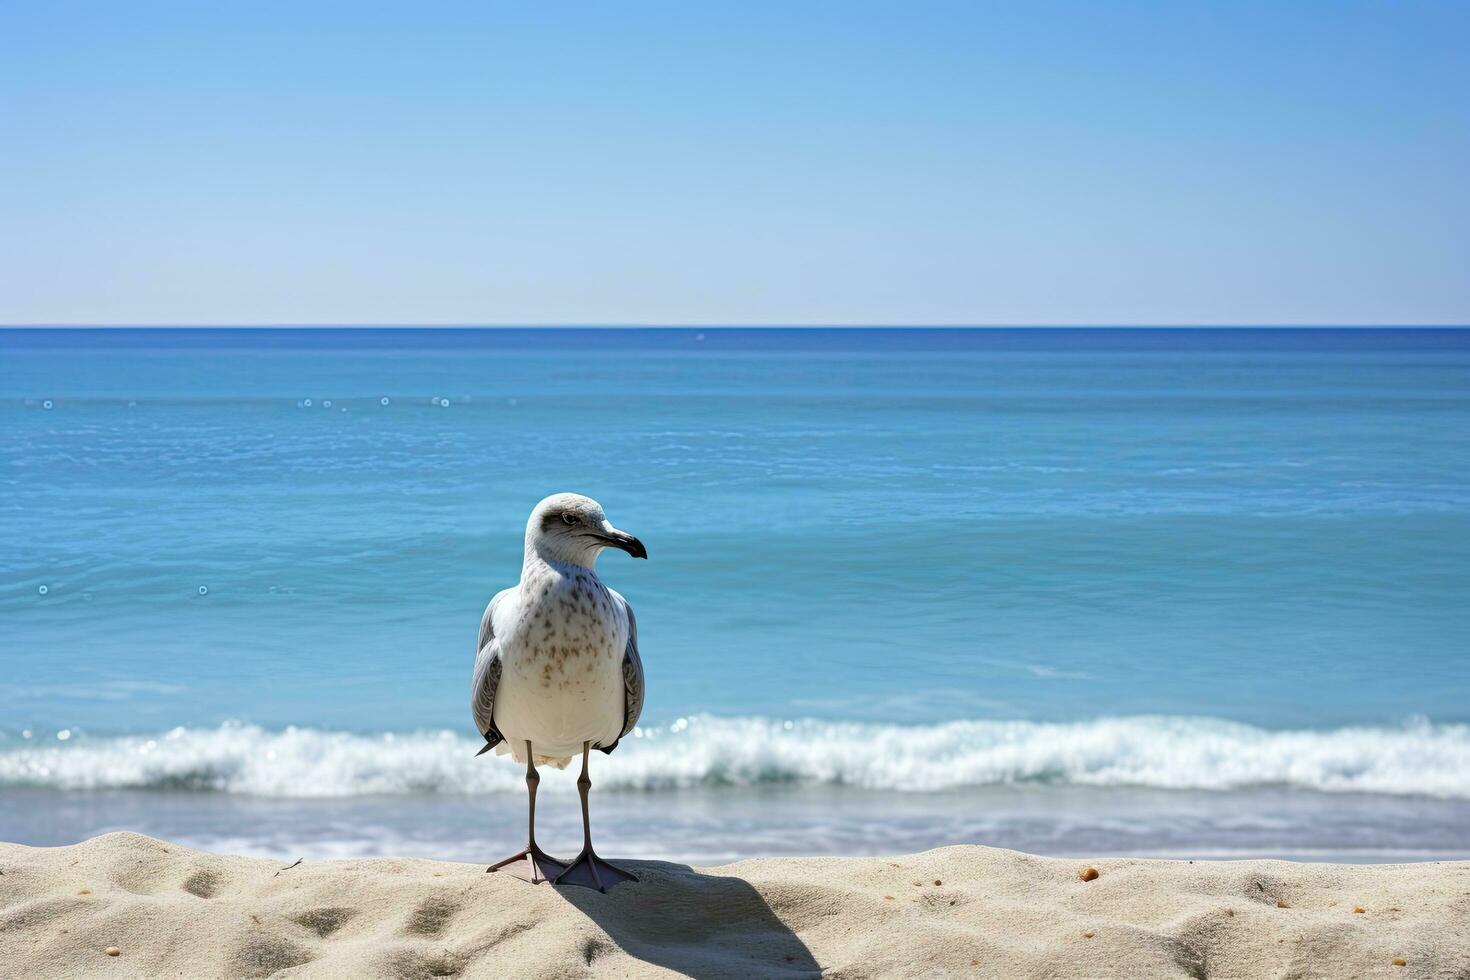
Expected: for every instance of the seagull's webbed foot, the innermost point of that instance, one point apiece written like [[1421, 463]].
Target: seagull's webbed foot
[[592, 871], [547, 867], [543, 864]]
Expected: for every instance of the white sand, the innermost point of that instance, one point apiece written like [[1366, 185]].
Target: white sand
[[175, 912]]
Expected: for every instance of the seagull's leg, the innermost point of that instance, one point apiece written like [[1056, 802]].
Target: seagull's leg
[[541, 862], [589, 869]]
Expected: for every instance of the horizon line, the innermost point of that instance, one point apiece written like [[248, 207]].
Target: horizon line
[[631, 325]]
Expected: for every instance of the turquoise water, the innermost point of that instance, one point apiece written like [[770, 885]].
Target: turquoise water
[[905, 562]]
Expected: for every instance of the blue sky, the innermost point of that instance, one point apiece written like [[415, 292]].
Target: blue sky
[[1029, 162]]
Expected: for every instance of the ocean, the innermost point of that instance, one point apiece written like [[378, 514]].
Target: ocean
[[1192, 592]]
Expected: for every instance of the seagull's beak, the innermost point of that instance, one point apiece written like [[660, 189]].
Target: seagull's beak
[[614, 538]]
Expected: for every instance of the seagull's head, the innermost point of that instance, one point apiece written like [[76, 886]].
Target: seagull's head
[[568, 527]]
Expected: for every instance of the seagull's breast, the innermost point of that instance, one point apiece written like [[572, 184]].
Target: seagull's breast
[[562, 655]]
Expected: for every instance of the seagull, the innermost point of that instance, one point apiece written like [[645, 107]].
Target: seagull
[[557, 670]]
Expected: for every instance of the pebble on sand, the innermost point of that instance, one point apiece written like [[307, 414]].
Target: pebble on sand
[[1087, 874], [1088, 934], [85, 891], [112, 951], [1358, 910], [1400, 961], [1281, 904]]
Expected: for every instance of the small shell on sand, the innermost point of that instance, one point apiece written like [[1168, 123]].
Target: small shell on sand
[[1400, 961], [1358, 910], [85, 891], [1281, 904], [1088, 874], [112, 951], [1088, 934]]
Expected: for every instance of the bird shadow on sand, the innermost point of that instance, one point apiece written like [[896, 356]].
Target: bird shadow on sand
[[697, 924]]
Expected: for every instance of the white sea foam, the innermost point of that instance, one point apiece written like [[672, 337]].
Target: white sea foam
[[1157, 752]]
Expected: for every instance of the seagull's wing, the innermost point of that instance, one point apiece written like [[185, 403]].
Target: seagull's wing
[[632, 675], [487, 675]]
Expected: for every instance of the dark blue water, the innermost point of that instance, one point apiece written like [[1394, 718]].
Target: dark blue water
[[1190, 560]]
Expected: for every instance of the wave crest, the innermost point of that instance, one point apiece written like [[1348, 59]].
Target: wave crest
[[1154, 752]]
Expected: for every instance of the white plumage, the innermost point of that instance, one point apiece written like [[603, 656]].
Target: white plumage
[[558, 662], [562, 634]]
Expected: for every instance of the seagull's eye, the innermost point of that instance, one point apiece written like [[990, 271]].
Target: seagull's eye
[[569, 518]]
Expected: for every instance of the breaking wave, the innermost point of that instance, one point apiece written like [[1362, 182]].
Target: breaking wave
[[1155, 752]]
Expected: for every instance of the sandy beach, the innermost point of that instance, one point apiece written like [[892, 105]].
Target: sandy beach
[[125, 905]]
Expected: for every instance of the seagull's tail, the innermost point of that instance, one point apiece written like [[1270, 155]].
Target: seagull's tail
[[492, 739]]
